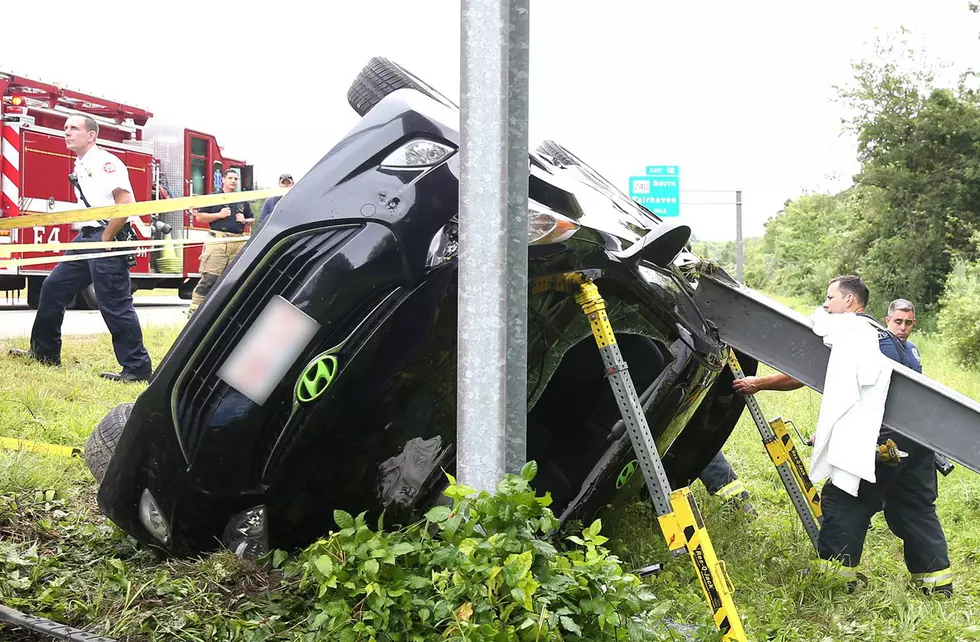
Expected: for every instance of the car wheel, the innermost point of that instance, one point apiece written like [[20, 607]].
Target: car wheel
[[186, 289], [34, 284], [86, 299], [555, 151], [102, 442], [379, 78]]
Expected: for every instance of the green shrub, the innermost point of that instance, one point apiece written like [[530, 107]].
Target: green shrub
[[482, 569], [959, 316]]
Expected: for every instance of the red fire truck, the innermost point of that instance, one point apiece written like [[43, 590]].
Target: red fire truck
[[164, 161]]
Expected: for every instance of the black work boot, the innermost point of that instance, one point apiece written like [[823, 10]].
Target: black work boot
[[125, 377], [942, 591], [28, 354]]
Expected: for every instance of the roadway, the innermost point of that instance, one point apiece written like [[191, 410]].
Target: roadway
[[16, 318]]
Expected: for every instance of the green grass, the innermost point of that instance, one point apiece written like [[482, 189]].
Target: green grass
[[765, 556], [60, 558]]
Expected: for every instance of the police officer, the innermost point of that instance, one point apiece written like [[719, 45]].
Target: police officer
[[905, 490], [223, 221], [100, 179]]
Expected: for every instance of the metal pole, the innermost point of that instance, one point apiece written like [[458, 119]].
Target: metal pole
[[738, 237], [492, 332]]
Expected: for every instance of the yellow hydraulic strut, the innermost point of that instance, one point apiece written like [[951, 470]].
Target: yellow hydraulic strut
[[677, 512], [788, 450], [787, 460]]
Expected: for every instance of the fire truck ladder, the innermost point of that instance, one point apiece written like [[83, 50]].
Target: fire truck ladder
[[787, 460], [677, 512]]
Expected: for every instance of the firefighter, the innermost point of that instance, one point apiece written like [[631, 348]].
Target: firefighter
[[99, 179], [905, 489], [223, 222], [719, 479], [285, 180]]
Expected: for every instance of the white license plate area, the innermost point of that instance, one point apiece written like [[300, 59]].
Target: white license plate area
[[267, 351]]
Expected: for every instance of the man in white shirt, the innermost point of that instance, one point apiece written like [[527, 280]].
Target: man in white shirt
[[905, 490], [100, 179]]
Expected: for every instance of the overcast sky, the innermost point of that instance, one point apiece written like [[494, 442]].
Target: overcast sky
[[738, 94]]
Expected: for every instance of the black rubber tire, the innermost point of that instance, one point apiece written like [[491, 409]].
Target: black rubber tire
[[186, 290], [554, 150], [34, 284], [85, 300], [102, 442], [379, 78]]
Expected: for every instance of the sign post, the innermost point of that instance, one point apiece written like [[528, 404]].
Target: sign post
[[492, 328]]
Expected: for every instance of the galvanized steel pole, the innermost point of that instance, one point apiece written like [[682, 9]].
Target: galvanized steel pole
[[492, 333], [739, 272]]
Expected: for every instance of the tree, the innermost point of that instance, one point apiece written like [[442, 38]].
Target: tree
[[815, 238], [918, 144]]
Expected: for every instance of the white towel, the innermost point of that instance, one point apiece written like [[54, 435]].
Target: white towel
[[858, 377]]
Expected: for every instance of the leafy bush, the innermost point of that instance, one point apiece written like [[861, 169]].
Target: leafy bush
[[484, 568], [959, 317], [481, 569]]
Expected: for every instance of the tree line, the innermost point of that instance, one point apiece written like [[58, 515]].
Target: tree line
[[910, 223]]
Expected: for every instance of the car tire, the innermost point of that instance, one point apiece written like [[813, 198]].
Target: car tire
[[34, 284], [381, 77], [186, 289], [554, 150], [102, 442], [85, 300]]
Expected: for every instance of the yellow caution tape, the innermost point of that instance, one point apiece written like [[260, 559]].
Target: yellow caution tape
[[137, 209], [26, 248], [8, 443], [64, 258]]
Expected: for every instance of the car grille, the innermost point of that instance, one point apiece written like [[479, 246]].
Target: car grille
[[280, 273], [288, 421]]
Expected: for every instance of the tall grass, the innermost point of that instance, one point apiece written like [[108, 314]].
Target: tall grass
[[767, 557]]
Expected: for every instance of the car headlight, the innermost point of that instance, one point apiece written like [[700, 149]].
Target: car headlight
[[417, 154], [247, 534], [152, 518], [546, 226], [444, 245]]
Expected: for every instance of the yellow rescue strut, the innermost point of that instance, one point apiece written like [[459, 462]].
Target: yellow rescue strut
[[677, 511], [789, 465]]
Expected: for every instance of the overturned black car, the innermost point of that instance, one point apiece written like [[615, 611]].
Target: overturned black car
[[321, 372]]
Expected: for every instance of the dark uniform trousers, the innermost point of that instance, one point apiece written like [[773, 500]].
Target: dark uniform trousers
[[907, 493], [110, 278], [720, 479]]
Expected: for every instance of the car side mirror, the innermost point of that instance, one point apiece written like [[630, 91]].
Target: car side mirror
[[660, 246]]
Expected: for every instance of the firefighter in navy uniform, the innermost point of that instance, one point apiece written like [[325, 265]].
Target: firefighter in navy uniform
[[719, 478], [223, 221], [908, 489], [905, 488], [100, 179]]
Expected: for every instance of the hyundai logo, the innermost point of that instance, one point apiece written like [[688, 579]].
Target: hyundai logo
[[316, 378]]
